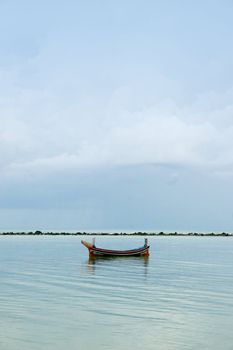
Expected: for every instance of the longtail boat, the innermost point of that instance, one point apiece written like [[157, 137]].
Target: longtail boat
[[94, 251]]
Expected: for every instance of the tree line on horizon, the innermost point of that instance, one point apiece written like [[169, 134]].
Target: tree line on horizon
[[139, 233]]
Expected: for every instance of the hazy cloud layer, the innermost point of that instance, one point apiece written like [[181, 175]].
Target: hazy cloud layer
[[41, 133], [91, 91]]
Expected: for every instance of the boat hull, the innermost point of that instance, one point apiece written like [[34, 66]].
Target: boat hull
[[94, 251]]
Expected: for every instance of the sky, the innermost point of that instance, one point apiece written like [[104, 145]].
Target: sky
[[116, 115]]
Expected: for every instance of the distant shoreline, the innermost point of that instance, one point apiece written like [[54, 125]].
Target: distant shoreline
[[41, 233]]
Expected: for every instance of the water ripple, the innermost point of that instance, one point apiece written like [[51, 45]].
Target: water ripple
[[53, 297]]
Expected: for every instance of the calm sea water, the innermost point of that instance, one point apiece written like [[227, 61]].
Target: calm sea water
[[53, 297]]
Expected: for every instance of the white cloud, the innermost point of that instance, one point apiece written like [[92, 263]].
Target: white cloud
[[80, 136], [51, 120]]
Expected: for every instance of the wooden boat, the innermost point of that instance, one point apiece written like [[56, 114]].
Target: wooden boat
[[94, 251]]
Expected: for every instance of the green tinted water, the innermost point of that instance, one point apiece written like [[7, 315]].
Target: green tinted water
[[53, 297]]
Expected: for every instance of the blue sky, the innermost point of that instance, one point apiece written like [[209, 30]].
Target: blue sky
[[116, 115]]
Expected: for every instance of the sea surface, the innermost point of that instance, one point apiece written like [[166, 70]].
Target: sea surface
[[52, 297]]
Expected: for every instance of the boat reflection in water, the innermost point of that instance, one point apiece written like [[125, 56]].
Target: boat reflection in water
[[101, 264]]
